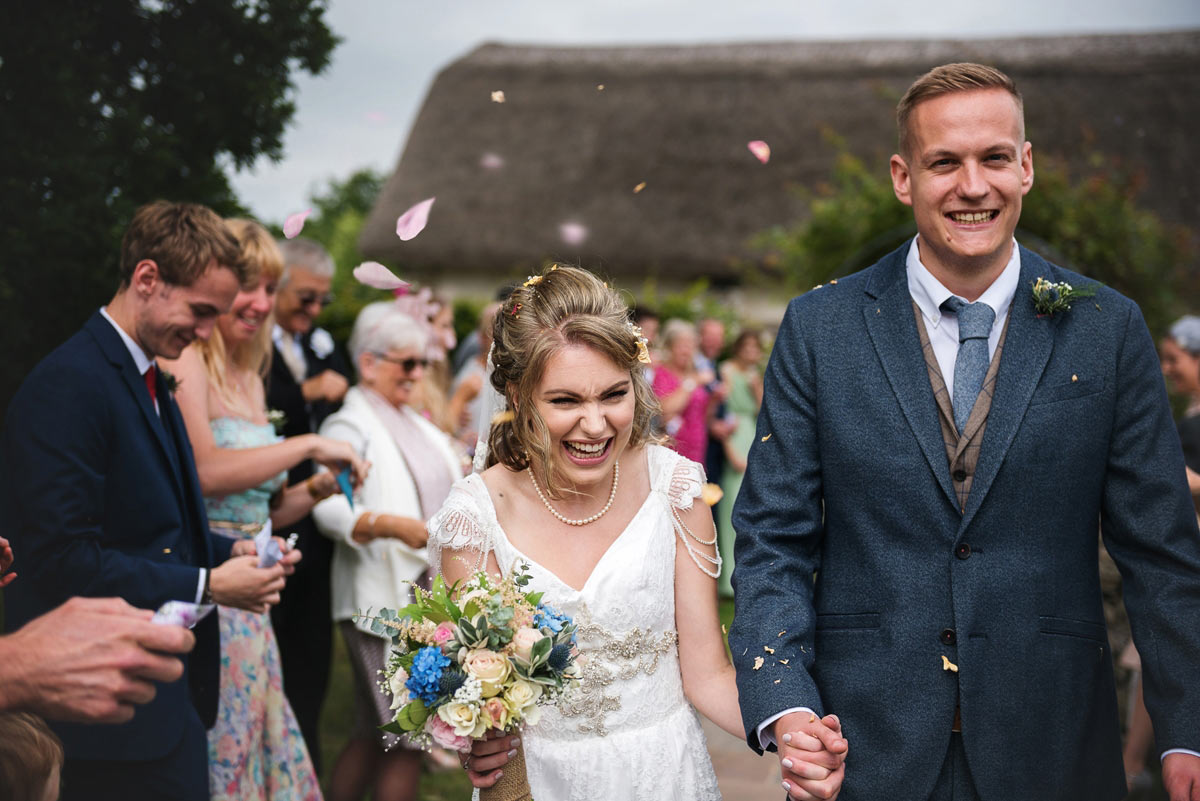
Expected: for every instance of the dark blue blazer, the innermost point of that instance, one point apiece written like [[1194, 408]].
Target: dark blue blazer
[[853, 485], [100, 498]]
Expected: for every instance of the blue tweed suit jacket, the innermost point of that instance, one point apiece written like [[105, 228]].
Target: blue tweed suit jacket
[[848, 480]]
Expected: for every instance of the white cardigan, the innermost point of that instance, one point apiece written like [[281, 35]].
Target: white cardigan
[[375, 575]]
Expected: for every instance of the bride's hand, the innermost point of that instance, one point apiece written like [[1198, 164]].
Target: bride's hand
[[812, 756], [488, 756]]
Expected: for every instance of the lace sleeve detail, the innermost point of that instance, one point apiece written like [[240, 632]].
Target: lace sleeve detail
[[457, 531], [684, 482]]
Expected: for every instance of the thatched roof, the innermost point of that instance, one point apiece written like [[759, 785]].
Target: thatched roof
[[679, 118]]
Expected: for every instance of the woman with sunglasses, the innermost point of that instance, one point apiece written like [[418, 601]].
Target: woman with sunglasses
[[380, 538]]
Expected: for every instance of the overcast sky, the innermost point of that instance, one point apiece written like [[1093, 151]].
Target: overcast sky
[[357, 114]]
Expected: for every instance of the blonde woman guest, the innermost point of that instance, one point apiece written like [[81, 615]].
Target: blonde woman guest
[[380, 541], [255, 748]]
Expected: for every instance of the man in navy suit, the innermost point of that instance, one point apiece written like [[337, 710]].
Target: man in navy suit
[[100, 496], [916, 549]]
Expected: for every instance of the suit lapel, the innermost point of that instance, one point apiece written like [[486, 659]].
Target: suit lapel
[[888, 314], [1027, 347]]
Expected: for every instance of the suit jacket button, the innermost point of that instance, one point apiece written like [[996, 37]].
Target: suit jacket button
[[960, 475], [963, 551], [948, 637]]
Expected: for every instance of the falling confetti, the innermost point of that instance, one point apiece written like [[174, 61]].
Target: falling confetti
[[760, 149], [780, 634], [412, 222], [768, 649], [778, 680], [764, 439], [374, 274], [783, 661], [295, 223], [573, 233], [711, 494], [1074, 378], [498, 96], [948, 665], [599, 87], [491, 161], [639, 187], [758, 662], [724, 630]]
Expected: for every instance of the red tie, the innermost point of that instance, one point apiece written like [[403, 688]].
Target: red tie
[[152, 382]]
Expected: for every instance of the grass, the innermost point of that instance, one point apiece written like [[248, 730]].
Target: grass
[[338, 714]]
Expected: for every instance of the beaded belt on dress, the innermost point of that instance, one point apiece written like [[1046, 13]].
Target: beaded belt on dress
[[244, 528]]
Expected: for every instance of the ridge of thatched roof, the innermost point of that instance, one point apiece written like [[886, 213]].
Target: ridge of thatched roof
[[678, 118]]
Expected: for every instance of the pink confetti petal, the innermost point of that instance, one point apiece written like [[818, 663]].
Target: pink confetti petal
[[760, 149], [412, 222], [295, 223], [491, 161], [573, 233], [374, 274]]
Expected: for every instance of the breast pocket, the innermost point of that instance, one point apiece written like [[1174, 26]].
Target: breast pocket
[[1058, 391]]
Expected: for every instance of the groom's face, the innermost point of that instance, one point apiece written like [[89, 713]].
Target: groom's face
[[968, 169]]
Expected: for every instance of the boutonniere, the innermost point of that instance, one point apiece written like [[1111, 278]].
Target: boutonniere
[[1050, 298], [169, 379], [278, 419]]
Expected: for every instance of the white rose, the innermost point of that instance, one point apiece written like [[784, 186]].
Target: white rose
[[524, 640], [523, 694], [400, 694], [463, 718], [489, 667]]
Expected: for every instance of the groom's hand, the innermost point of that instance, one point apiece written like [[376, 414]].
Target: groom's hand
[[487, 757], [1181, 776], [812, 755]]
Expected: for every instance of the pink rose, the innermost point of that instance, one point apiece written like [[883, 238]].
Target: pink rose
[[524, 640], [443, 632], [495, 709], [443, 734]]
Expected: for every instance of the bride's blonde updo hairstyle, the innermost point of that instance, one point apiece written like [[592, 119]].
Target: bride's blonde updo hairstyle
[[562, 306]]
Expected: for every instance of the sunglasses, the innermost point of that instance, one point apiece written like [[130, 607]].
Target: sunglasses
[[407, 365], [309, 298]]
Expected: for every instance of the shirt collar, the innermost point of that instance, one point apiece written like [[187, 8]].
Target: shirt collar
[[930, 294], [140, 359]]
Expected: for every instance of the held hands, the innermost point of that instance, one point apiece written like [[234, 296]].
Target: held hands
[[1181, 776], [90, 660], [812, 755], [329, 385], [240, 582], [487, 757]]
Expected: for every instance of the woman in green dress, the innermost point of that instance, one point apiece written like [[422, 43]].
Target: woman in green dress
[[743, 377]]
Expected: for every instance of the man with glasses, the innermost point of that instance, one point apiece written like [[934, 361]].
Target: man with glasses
[[307, 382]]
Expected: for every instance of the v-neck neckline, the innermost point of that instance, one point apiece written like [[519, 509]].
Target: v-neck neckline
[[612, 546]]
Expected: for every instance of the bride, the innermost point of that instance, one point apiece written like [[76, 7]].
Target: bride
[[610, 524]]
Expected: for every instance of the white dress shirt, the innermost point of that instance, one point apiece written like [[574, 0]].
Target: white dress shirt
[[144, 363]]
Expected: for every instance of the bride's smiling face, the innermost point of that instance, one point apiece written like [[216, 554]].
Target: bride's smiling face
[[587, 403]]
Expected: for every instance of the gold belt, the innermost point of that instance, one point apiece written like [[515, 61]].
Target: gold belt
[[245, 528]]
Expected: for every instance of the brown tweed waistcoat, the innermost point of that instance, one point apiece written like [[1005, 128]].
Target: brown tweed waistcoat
[[962, 450]]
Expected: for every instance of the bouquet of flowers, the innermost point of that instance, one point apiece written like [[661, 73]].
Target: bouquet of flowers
[[482, 654]]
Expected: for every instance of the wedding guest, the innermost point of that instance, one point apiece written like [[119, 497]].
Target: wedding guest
[[1179, 356], [436, 318], [255, 748], [307, 381], [380, 540], [612, 530], [31, 758], [90, 660], [100, 496], [684, 391], [741, 375], [466, 402]]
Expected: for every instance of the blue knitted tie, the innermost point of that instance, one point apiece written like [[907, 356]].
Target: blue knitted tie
[[974, 325]]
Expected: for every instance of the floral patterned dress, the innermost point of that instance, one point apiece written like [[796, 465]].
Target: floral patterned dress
[[255, 750]]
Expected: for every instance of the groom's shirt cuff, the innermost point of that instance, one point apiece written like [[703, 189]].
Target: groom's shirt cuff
[[765, 738], [1168, 751]]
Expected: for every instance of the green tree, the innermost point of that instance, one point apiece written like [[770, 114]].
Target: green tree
[[1092, 224], [107, 104]]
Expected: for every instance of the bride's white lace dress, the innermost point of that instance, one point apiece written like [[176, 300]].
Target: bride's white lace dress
[[628, 732]]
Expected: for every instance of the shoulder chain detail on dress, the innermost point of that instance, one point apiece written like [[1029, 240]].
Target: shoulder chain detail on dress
[[614, 658]]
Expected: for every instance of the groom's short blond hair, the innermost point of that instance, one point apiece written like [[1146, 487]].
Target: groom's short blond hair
[[946, 79]]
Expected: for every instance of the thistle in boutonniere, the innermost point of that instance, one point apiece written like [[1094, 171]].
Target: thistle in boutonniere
[[278, 419], [170, 380], [1050, 298]]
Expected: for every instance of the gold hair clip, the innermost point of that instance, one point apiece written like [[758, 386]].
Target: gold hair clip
[[505, 416], [533, 280], [643, 344]]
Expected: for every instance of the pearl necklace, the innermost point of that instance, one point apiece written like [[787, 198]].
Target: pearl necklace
[[586, 520]]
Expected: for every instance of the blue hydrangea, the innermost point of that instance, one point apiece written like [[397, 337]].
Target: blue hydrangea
[[425, 677], [546, 616]]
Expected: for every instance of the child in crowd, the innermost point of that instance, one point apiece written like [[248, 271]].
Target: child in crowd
[[31, 757]]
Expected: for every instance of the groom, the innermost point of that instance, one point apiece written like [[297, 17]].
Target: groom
[[916, 546]]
